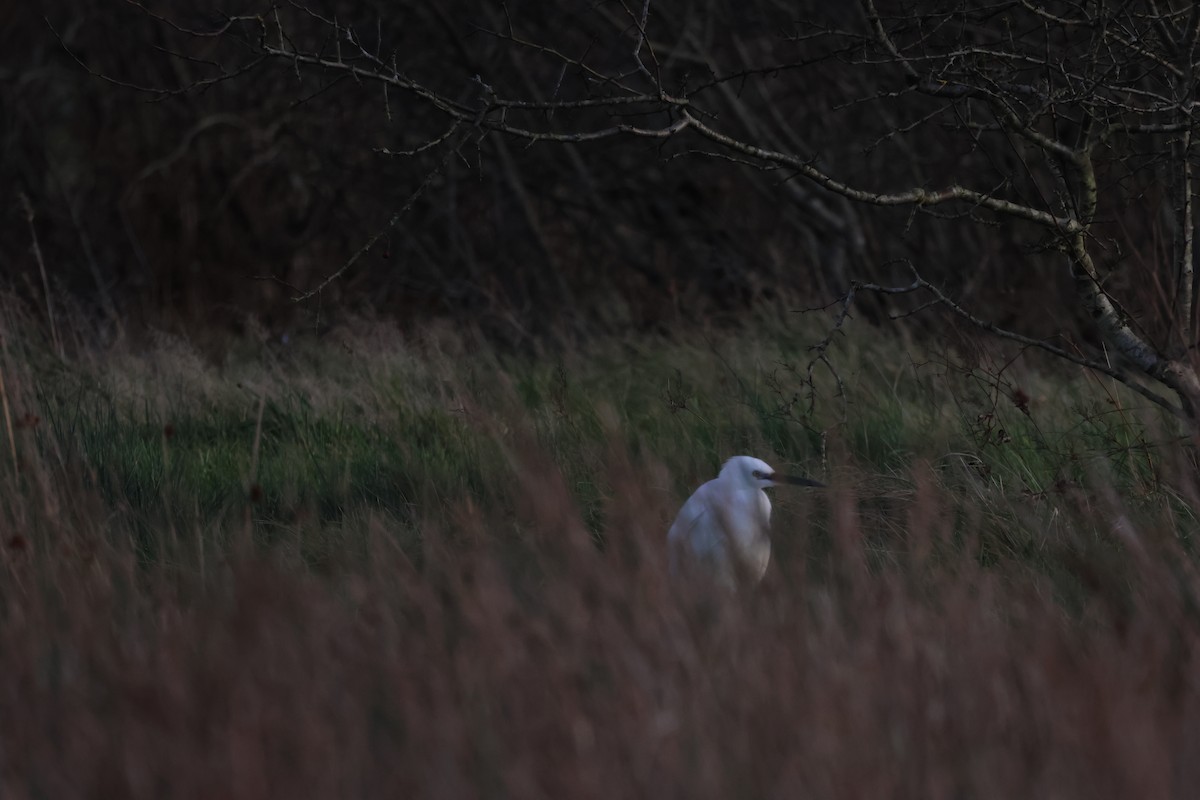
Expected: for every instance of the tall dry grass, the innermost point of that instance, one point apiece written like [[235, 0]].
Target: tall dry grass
[[522, 646]]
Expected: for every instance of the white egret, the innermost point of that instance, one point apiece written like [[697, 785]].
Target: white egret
[[722, 530]]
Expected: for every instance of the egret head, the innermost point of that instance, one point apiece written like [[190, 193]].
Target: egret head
[[754, 473]]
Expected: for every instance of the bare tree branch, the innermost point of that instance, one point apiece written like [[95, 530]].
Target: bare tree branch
[[1055, 110]]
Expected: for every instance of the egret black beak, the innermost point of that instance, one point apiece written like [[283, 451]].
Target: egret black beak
[[795, 481]]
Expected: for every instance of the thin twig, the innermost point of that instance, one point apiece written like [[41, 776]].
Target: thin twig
[[391, 223], [8, 426], [37, 254]]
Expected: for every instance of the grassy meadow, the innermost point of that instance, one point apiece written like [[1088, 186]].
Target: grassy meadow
[[371, 565]]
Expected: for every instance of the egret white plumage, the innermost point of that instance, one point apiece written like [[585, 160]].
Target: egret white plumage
[[722, 531]]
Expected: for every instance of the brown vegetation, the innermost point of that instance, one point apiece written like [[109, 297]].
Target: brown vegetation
[[580, 672], [486, 630]]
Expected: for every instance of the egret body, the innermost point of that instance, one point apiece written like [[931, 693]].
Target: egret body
[[722, 531]]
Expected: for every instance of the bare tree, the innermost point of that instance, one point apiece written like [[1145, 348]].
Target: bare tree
[[1057, 120]]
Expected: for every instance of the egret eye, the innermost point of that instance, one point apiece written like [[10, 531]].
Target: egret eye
[[758, 474]]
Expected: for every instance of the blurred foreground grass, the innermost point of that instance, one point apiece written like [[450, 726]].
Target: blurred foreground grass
[[364, 565]]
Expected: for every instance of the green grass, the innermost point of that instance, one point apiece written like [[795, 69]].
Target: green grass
[[378, 423]]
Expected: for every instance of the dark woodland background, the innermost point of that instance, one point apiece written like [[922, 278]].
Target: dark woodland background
[[206, 208]]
